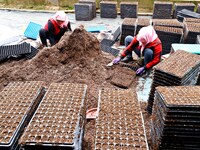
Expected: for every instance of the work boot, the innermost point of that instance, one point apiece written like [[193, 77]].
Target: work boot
[[127, 59]]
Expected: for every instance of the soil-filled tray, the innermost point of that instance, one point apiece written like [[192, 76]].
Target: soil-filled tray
[[59, 120], [18, 103], [118, 126], [174, 128], [123, 77]]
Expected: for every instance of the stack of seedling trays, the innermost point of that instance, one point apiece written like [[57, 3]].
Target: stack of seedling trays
[[142, 22], [180, 6], [18, 103], [186, 13], [167, 23], [119, 124], [168, 35], [191, 31], [58, 122], [162, 10], [176, 120], [128, 28], [181, 68]]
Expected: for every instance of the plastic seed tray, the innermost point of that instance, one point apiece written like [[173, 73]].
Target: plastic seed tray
[[168, 23], [58, 122], [18, 102], [107, 42], [34, 51], [123, 77], [32, 30], [116, 34], [118, 125], [181, 68], [175, 120], [19, 49], [109, 49]]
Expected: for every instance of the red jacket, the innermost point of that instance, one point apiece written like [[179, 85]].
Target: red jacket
[[156, 46], [55, 25]]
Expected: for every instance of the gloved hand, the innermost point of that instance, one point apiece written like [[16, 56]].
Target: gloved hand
[[116, 60], [140, 70]]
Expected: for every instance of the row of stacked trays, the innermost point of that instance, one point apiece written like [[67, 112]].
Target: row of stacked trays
[[181, 68], [59, 120], [119, 123], [175, 120], [168, 35], [191, 30], [18, 102]]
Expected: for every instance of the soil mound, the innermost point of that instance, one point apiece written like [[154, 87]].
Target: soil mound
[[76, 58]]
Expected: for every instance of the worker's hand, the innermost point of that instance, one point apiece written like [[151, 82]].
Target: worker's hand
[[116, 60], [140, 71]]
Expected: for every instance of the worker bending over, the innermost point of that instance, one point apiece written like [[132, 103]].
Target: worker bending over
[[145, 44], [55, 28]]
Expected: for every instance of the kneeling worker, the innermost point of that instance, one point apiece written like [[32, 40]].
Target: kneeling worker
[[145, 44], [55, 28]]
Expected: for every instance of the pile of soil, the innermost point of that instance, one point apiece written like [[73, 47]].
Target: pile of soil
[[77, 58]]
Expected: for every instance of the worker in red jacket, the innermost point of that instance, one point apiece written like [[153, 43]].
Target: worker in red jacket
[[55, 28], [145, 44]]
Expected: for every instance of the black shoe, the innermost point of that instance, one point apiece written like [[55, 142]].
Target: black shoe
[[127, 59]]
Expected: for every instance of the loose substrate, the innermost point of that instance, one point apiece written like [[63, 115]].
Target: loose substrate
[[77, 58]]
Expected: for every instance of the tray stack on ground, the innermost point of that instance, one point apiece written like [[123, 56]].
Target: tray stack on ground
[[181, 68], [180, 6], [128, 28], [84, 11], [18, 103], [119, 124], [162, 10], [175, 120], [18, 50], [142, 22], [198, 8], [186, 13], [168, 35], [93, 6], [128, 9], [191, 30], [58, 123], [108, 9], [123, 77]]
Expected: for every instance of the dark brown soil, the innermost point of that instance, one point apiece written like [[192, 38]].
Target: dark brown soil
[[77, 58]]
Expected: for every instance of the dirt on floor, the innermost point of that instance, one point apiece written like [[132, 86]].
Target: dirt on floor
[[77, 58]]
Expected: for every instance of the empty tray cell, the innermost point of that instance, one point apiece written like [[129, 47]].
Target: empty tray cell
[[19, 49], [162, 10], [118, 126], [175, 120], [18, 103], [128, 9], [108, 9], [59, 119], [32, 30]]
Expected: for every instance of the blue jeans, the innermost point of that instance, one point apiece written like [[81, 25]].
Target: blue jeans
[[147, 53]]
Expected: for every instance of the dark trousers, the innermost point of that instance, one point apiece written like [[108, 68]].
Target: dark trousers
[[147, 52], [53, 39]]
